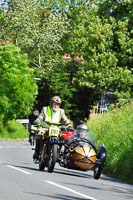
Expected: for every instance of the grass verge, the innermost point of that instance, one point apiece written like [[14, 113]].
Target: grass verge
[[12, 130], [115, 130]]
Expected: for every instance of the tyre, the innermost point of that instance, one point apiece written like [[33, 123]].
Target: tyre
[[42, 159], [97, 172], [53, 157], [32, 140]]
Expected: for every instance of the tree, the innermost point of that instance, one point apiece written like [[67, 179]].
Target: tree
[[121, 13], [36, 29], [106, 47], [18, 88], [119, 9], [46, 30]]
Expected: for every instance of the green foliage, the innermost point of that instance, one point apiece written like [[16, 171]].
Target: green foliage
[[106, 47], [118, 9], [18, 89], [104, 67], [12, 130], [115, 129], [98, 30], [35, 29]]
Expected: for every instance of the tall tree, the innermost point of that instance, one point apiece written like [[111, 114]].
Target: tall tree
[[18, 88], [106, 48], [35, 29]]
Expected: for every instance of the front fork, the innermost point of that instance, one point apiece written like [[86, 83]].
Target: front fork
[[52, 141]]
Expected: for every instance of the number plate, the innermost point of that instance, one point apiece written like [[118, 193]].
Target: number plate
[[54, 131]]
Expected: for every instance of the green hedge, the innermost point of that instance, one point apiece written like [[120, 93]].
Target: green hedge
[[12, 130], [115, 130]]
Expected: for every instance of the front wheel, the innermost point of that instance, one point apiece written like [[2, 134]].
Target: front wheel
[[42, 158], [53, 157], [97, 172]]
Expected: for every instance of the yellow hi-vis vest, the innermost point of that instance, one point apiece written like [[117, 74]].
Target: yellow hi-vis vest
[[52, 116]]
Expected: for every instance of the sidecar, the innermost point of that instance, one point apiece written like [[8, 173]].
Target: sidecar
[[67, 133], [81, 154]]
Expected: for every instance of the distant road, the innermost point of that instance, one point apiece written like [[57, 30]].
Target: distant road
[[20, 179]]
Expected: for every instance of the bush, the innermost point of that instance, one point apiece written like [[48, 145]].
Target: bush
[[115, 129], [17, 85], [12, 130]]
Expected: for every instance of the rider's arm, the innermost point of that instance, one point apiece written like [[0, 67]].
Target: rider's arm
[[64, 117], [41, 117]]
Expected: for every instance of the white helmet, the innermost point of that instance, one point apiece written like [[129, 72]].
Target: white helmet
[[82, 131], [56, 99], [82, 126], [36, 112]]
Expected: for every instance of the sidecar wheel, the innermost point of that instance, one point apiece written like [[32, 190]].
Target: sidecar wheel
[[53, 158], [97, 172]]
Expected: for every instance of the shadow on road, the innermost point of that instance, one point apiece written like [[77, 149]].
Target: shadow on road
[[128, 192], [58, 196], [57, 171], [72, 173]]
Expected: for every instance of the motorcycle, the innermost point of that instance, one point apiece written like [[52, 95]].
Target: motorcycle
[[81, 154], [49, 145], [32, 134]]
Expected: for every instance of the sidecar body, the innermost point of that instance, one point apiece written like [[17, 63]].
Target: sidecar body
[[80, 154]]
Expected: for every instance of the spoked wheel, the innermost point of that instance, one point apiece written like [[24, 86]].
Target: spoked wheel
[[53, 157], [97, 172], [42, 159], [32, 139]]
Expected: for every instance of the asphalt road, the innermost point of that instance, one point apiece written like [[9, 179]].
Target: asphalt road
[[20, 179]]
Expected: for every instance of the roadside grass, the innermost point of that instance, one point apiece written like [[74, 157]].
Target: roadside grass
[[12, 130], [115, 130]]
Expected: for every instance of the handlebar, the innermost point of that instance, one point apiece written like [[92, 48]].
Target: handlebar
[[56, 124], [46, 124]]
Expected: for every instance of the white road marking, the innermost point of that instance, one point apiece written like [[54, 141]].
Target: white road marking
[[16, 168], [70, 190], [1, 147], [0, 161]]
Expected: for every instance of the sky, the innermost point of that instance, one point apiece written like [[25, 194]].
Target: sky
[[3, 4]]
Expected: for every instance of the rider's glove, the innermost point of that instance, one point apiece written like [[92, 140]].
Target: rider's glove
[[70, 128], [35, 123]]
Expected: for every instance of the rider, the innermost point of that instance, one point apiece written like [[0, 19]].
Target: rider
[[83, 132], [53, 114], [32, 117]]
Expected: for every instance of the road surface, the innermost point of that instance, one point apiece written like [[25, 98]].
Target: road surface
[[20, 179]]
